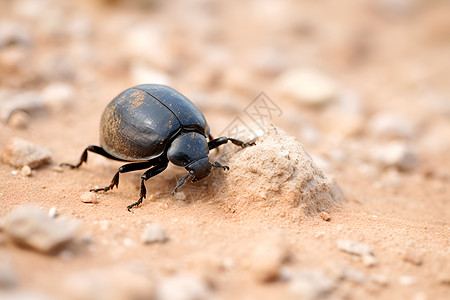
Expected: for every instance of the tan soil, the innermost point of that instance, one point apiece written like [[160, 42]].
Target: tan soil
[[395, 60]]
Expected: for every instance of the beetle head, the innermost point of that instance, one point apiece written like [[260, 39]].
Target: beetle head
[[199, 169], [190, 150]]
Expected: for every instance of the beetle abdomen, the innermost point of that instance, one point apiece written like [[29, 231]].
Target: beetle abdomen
[[137, 127]]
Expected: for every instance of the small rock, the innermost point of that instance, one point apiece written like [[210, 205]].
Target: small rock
[[325, 216], [413, 257], [395, 154], [19, 153], [53, 212], [114, 283], [11, 101], [19, 120], [89, 197], [267, 258], [31, 226], [183, 287], [154, 233], [311, 285], [307, 86], [25, 171], [390, 126], [58, 96], [369, 260], [353, 247]]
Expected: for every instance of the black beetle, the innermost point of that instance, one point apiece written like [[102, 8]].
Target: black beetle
[[152, 125]]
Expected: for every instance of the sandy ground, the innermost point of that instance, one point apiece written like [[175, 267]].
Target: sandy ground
[[379, 57]]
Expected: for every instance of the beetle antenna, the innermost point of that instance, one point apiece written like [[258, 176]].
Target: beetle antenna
[[181, 181]]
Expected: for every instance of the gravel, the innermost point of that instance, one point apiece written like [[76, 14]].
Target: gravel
[[31, 226]]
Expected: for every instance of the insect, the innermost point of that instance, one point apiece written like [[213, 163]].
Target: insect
[[151, 125]]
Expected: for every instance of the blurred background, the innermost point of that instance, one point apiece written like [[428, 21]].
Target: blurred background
[[363, 84], [366, 69]]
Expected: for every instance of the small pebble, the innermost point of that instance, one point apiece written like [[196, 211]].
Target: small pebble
[[154, 233], [89, 197], [395, 154], [390, 126], [19, 120], [413, 257], [12, 100], [325, 216], [53, 212], [31, 226], [19, 152], [26, 171], [369, 260]]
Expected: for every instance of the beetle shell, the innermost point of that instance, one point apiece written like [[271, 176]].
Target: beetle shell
[[140, 123]]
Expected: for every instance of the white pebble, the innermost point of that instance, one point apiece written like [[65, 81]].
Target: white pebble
[[19, 120], [89, 197], [395, 154], [389, 126], [25, 171]]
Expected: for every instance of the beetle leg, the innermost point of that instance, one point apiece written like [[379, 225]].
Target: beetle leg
[[124, 169], [223, 140], [146, 176], [84, 156], [181, 181], [217, 164]]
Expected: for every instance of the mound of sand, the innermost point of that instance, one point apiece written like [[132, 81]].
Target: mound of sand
[[276, 175]]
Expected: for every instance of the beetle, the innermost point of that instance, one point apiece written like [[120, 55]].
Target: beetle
[[149, 126]]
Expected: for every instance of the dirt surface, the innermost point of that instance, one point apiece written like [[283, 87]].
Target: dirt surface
[[363, 86]]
